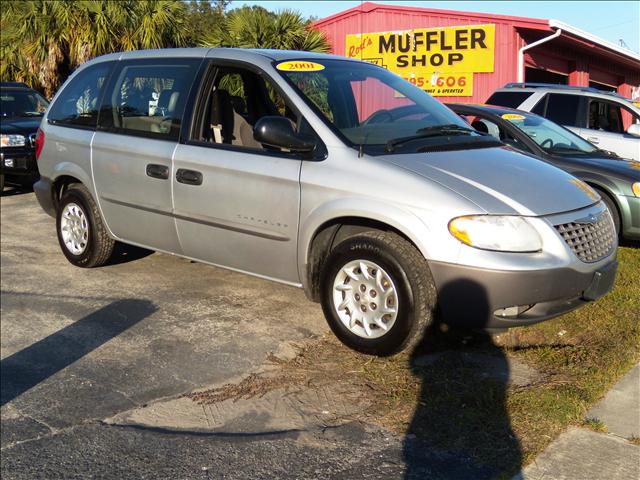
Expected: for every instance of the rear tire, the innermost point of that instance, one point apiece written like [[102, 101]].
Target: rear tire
[[397, 280], [82, 235], [1, 183]]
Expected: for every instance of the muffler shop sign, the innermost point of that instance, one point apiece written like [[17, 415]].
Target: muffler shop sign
[[439, 60]]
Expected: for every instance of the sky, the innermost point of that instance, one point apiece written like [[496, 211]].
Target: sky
[[607, 19]]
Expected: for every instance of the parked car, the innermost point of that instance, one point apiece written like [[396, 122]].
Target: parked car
[[21, 109], [606, 119], [325, 173], [616, 180]]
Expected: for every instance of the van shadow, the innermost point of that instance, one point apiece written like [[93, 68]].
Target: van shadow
[[124, 253], [461, 427], [32, 365]]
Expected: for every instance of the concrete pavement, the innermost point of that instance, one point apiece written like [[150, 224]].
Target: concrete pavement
[[580, 453]]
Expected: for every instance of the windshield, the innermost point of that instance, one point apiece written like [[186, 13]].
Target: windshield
[[374, 109], [550, 136], [22, 103]]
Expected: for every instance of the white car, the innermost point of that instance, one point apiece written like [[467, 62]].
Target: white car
[[606, 119]]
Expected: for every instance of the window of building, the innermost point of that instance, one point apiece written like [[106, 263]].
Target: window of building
[[78, 104]]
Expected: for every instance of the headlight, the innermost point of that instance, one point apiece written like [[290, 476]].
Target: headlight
[[635, 188], [500, 233], [12, 140]]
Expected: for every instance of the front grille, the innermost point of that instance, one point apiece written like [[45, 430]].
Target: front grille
[[591, 240]]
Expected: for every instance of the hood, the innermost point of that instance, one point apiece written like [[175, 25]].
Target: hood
[[501, 180], [618, 167], [21, 125]]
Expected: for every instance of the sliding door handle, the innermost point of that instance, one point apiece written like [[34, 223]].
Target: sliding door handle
[[189, 177], [158, 171]]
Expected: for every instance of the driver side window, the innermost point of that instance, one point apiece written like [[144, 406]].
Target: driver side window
[[236, 100]]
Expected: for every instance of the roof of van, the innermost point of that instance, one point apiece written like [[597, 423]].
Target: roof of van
[[228, 53]]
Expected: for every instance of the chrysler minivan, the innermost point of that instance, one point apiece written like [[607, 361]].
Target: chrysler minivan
[[324, 173]]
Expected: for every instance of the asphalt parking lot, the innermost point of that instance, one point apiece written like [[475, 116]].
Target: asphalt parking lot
[[80, 347]]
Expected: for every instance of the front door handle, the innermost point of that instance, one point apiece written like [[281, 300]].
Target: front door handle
[[594, 140], [190, 177], [158, 171]]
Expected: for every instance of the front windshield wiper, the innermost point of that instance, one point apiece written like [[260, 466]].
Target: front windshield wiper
[[433, 131], [566, 150]]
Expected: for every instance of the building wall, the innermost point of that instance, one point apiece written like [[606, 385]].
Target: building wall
[[512, 33]]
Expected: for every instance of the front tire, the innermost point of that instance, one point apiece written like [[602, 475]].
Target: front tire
[[377, 293], [82, 235]]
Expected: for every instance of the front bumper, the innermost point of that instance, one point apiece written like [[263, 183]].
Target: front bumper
[[18, 161], [469, 296]]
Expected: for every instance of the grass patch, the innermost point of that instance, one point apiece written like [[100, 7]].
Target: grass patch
[[595, 424]]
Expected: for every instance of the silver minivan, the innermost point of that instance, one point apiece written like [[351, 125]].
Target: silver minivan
[[325, 173]]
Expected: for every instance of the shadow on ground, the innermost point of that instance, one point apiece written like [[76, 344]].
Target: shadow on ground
[[123, 253], [12, 189], [27, 368], [461, 414]]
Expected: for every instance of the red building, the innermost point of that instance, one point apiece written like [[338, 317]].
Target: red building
[[440, 49]]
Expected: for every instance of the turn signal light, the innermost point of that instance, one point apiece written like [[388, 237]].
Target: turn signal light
[[636, 189]]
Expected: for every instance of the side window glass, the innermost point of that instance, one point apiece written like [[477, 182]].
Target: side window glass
[[508, 99], [237, 99], [628, 118], [540, 106], [149, 100], [605, 116], [483, 125], [563, 109], [77, 104]]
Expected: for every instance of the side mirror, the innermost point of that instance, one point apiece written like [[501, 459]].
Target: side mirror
[[634, 129], [278, 132]]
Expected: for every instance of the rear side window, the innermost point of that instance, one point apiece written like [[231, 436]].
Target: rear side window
[[563, 109], [508, 99], [148, 98], [78, 103]]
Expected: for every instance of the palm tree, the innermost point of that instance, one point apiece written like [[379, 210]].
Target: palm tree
[[256, 27], [44, 40]]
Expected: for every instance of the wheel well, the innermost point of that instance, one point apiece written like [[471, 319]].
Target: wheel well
[[60, 184], [330, 234], [611, 197]]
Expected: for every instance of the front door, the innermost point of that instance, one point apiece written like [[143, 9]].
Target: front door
[[606, 128], [133, 148], [236, 201]]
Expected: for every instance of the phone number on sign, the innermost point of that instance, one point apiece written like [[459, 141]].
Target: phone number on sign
[[448, 81]]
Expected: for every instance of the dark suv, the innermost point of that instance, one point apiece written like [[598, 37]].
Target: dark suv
[[21, 109]]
